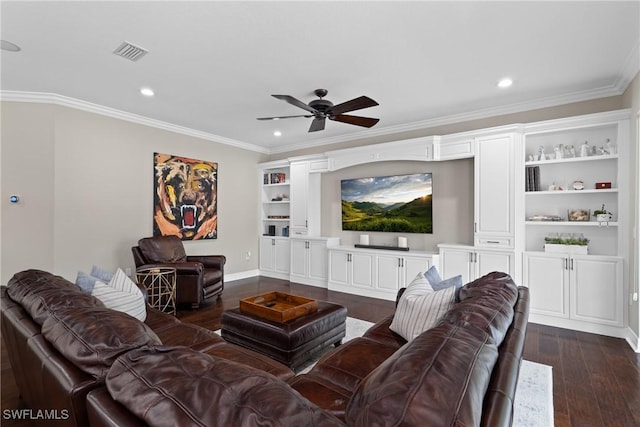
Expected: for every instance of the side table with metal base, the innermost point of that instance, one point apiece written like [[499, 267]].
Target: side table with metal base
[[160, 283]]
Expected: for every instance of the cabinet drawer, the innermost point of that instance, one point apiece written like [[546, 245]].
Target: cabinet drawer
[[497, 242]]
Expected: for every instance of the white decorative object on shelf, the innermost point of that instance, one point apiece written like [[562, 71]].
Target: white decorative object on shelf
[[402, 242], [584, 149], [364, 239]]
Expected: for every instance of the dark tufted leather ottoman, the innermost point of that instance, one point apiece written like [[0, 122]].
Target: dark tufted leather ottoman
[[291, 343]]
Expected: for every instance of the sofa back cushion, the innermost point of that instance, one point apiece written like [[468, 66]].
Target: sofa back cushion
[[92, 338], [486, 303], [177, 386], [162, 249], [41, 293], [438, 379]]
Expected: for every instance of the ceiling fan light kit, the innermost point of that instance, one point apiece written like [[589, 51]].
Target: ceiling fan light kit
[[323, 109]]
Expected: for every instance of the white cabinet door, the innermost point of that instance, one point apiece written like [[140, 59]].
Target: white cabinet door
[[412, 266], [547, 277], [362, 269], [457, 261], [388, 271], [317, 259], [298, 197], [282, 255], [494, 191], [267, 254], [274, 257], [339, 267], [488, 261], [299, 257], [596, 289], [471, 262]]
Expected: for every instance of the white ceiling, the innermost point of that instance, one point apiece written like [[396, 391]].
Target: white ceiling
[[214, 65]]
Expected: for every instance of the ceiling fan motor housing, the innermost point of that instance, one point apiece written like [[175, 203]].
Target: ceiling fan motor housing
[[321, 105]]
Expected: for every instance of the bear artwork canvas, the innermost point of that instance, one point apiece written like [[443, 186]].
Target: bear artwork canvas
[[185, 197]]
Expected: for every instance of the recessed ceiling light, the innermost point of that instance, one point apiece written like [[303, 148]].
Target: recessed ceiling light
[[277, 133], [147, 91], [8, 46], [506, 82]]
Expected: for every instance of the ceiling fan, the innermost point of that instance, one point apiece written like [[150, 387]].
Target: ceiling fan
[[323, 109]]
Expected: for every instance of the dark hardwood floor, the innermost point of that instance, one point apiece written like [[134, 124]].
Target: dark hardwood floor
[[596, 379]]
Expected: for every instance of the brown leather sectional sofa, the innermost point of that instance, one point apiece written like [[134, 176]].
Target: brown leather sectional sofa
[[106, 369]]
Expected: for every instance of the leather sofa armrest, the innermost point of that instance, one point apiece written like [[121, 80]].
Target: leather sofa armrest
[[209, 261], [182, 268]]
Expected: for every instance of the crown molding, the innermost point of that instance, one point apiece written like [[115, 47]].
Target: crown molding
[[630, 68], [65, 101]]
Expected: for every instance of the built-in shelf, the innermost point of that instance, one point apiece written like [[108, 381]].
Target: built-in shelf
[[573, 223], [280, 184], [573, 192], [572, 160]]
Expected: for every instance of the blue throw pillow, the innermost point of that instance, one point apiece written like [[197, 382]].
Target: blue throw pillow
[[86, 282], [432, 275], [101, 274], [436, 282]]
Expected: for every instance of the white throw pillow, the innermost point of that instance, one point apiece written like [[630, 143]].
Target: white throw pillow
[[420, 308], [121, 294]]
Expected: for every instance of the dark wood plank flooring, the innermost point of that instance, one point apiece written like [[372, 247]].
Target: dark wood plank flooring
[[596, 379]]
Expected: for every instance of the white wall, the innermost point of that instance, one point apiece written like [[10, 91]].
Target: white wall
[[27, 170], [452, 202], [86, 187]]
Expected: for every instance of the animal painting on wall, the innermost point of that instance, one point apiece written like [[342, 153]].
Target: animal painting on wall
[[185, 197]]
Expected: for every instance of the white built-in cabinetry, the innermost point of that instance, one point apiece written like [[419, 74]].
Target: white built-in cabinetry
[[275, 256], [577, 291], [309, 259], [474, 262], [305, 198], [290, 247], [495, 184], [569, 290], [276, 202], [375, 273]]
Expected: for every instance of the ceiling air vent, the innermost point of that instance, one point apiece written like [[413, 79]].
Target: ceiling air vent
[[130, 51]]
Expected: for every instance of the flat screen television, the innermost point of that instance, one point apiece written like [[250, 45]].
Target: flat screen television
[[396, 203]]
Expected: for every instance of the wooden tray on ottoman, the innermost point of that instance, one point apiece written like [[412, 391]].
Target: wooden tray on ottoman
[[278, 306]]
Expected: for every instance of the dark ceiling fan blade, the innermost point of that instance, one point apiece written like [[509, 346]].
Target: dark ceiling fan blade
[[366, 122], [283, 117], [317, 124], [293, 101], [354, 104]]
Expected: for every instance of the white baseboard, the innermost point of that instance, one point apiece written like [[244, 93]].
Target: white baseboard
[[633, 340], [241, 275]]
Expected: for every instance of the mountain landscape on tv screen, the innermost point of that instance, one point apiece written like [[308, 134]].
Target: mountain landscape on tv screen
[[400, 203]]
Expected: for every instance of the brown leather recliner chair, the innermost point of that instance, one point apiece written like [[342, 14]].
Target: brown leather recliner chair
[[197, 277]]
